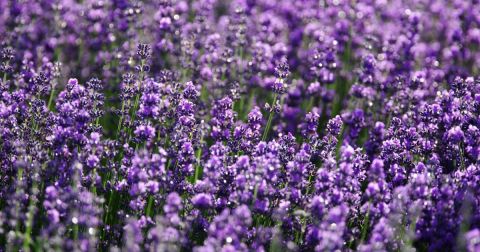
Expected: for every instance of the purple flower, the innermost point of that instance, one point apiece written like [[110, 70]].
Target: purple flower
[[202, 201]]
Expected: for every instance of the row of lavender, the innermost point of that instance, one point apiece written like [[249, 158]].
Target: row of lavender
[[240, 125]]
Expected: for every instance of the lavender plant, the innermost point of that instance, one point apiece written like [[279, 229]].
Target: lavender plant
[[240, 125]]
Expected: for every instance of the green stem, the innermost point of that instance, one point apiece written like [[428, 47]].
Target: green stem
[[365, 226], [198, 167], [75, 232], [149, 206], [120, 155], [249, 105], [137, 97], [29, 225], [135, 106], [94, 187], [107, 213], [255, 192], [270, 118], [310, 104], [310, 179], [17, 205], [241, 105], [119, 126], [50, 99]]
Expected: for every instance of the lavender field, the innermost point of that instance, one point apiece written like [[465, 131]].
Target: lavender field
[[239, 125]]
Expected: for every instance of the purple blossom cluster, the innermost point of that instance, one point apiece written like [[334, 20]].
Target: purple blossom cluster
[[240, 125]]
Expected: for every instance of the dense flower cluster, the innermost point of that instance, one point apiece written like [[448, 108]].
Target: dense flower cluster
[[240, 125]]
